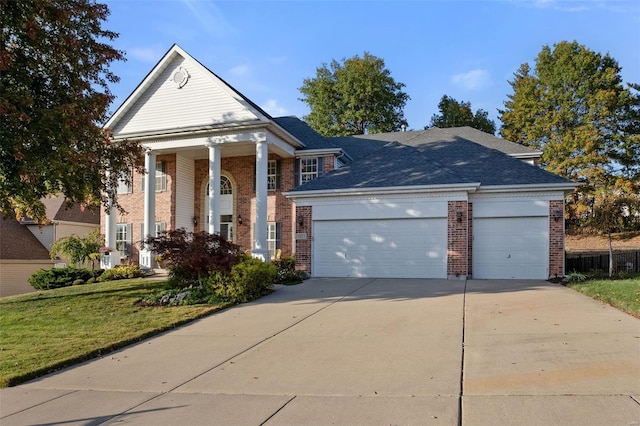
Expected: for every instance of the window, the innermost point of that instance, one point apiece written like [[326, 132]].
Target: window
[[123, 239], [273, 175], [161, 177], [225, 186], [158, 229], [124, 185], [308, 169], [273, 238]]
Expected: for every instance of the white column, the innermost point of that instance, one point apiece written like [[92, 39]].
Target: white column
[[213, 227], [109, 260], [146, 257], [260, 249]]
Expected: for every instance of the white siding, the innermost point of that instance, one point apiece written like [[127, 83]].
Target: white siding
[[45, 234], [204, 100], [185, 197], [381, 208]]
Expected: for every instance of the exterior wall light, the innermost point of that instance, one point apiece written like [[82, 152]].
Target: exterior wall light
[[239, 219], [300, 220], [459, 215], [195, 221], [558, 213]]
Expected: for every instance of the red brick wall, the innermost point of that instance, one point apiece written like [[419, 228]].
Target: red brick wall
[[133, 204], [241, 172], [303, 247], [556, 240], [457, 245]]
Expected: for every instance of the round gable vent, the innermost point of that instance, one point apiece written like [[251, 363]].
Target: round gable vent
[[180, 77]]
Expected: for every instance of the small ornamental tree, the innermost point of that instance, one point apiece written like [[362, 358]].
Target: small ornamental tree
[[191, 257], [78, 249]]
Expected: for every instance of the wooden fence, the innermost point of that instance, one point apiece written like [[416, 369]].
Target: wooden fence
[[623, 261]]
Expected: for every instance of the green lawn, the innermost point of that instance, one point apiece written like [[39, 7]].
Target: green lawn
[[47, 330], [621, 294]]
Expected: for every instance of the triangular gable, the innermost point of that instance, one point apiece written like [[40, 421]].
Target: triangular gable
[[180, 93]]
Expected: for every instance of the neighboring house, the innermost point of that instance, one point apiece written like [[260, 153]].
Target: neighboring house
[[21, 254], [25, 245], [437, 203], [63, 220]]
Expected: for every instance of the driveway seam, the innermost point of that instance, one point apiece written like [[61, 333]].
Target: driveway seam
[[464, 313], [278, 410]]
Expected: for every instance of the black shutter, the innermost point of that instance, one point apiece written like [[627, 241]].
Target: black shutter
[[278, 235], [320, 166], [296, 173]]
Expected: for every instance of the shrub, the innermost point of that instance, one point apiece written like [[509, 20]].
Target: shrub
[[574, 277], [121, 272], [247, 281], [46, 279], [78, 282], [286, 273], [191, 257]]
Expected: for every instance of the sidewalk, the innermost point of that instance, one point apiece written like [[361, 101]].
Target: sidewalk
[[362, 352]]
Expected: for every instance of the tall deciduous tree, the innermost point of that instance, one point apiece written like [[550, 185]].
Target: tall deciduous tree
[[356, 97], [54, 95], [574, 108], [458, 114]]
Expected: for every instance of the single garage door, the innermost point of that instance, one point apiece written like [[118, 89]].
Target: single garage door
[[512, 247], [389, 248]]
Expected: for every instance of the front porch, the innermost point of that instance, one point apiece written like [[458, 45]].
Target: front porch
[[231, 185]]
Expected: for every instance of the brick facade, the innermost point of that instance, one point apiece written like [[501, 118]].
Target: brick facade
[[303, 245], [556, 239], [241, 172], [457, 239]]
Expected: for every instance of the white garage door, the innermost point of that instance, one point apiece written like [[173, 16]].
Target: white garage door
[[389, 248], [506, 248]]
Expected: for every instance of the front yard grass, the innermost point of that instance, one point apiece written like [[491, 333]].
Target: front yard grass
[[622, 294], [44, 331]]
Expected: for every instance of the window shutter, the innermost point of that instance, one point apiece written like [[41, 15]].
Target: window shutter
[[129, 238], [278, 174], [320, 166], [278, 235], [296, 173]]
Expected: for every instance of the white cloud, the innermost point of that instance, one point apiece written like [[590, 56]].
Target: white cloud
[[240, 71], [145, 54], [272, 107], [210, 18], [472, 80]]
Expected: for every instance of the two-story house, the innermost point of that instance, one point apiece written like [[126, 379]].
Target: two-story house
[[436, 203]]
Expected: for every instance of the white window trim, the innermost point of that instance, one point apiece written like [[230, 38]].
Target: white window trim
[[161, 174], [272, 175], [124, 187], [127, 239], [306, 176]]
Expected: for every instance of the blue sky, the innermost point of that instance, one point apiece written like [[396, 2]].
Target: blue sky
[[464, 49]]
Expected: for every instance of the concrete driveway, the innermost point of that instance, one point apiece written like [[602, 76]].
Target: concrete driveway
[[364, 352]]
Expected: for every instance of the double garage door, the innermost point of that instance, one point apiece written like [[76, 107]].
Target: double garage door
[[503, 248], [384, 248]]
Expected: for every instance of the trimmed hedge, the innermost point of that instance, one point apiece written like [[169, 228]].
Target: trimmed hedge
[[121, 272], [248, 280], [46, 279]]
